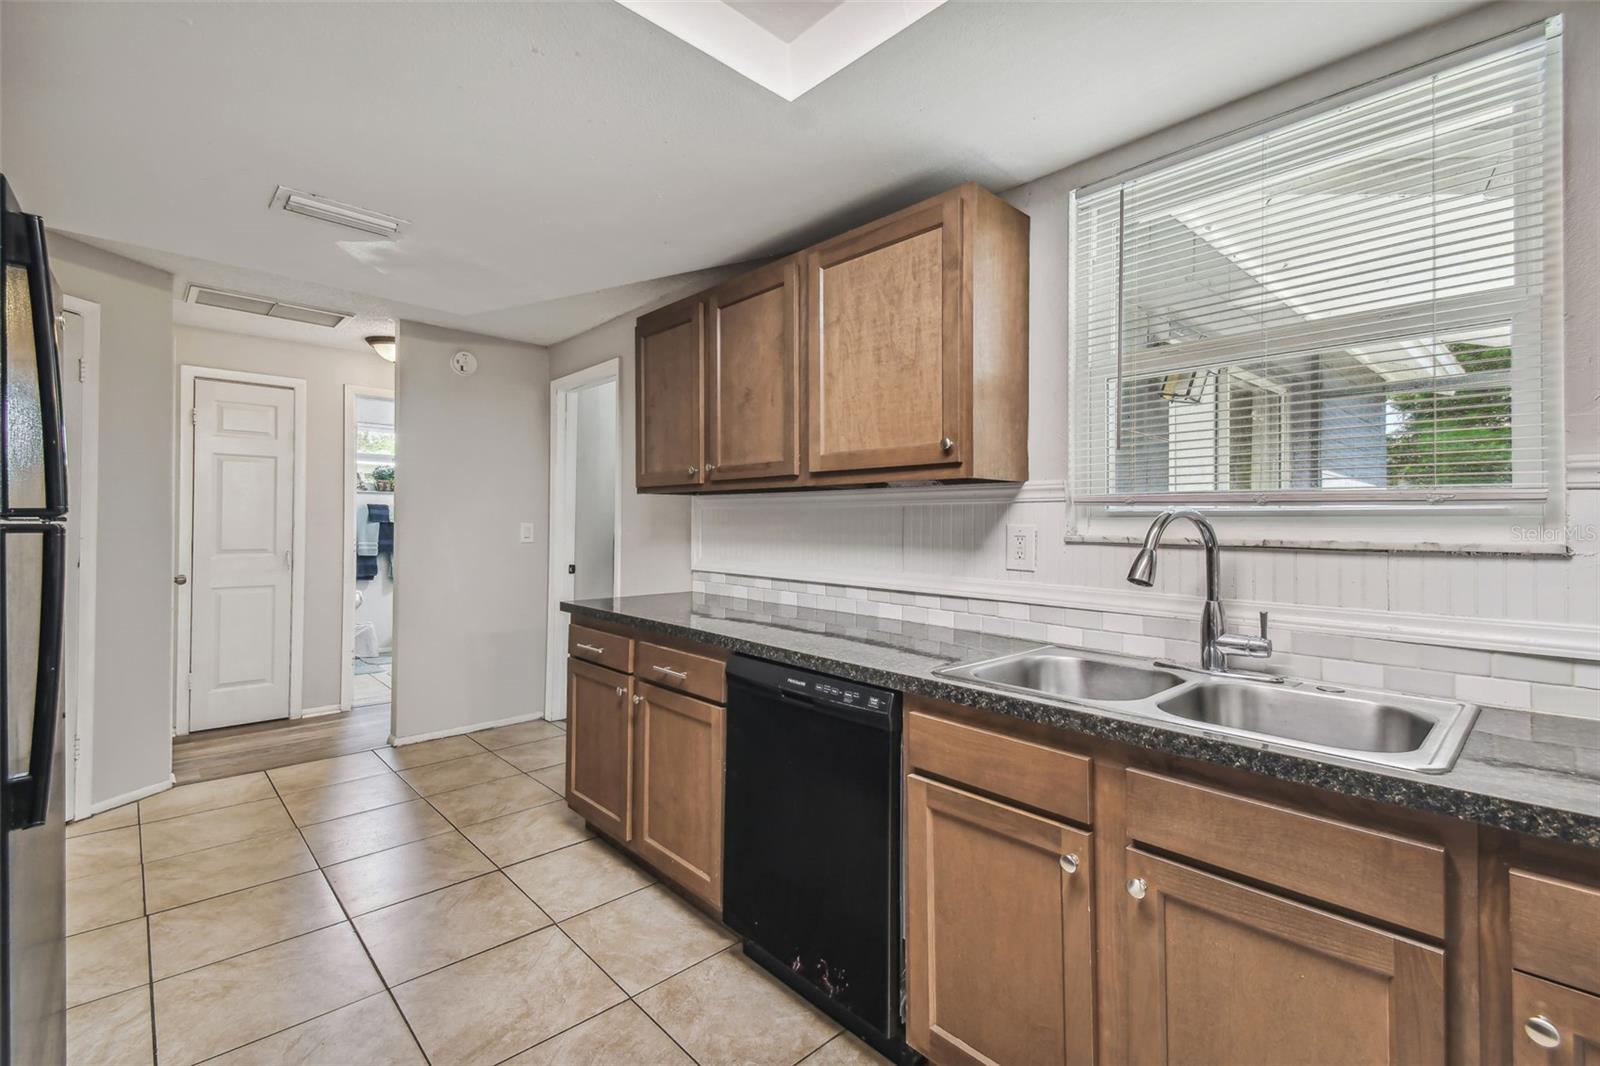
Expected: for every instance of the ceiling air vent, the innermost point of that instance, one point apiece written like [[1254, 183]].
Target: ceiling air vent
[[340, 214], [260, 305]]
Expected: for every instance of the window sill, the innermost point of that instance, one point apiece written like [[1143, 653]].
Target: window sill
[[1531, 548]]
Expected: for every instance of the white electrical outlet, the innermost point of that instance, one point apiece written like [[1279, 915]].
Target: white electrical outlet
[[1022, 547], [525, 534]]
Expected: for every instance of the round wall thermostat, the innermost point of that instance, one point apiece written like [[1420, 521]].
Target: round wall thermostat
[[464, 363]]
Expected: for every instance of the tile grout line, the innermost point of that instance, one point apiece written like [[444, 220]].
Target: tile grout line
[[365, 951]]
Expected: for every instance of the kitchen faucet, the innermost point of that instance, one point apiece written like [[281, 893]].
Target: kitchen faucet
[[1216, 643]]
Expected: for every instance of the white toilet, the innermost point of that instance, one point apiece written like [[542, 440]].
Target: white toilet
[[366, 645]]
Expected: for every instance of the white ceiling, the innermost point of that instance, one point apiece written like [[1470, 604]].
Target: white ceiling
[[555, 159]]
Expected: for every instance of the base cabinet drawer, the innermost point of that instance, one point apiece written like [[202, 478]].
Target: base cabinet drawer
[[600, 747], [1554, 1025], [678, 798], [1555, 929], [1000, 942], [1221, 972]]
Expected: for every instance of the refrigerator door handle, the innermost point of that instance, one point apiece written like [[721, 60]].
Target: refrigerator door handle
[[30, 792], [51, 415]]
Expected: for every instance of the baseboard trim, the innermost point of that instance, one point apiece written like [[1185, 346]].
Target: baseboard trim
[[130, 797], [418, 738]]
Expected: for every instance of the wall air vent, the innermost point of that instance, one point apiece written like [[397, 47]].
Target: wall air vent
[[260, 305], [340, 214]]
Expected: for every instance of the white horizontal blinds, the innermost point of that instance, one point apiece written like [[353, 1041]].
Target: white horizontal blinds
[[1355, 304]]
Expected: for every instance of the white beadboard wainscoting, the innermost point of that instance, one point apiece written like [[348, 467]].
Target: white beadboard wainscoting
[[1510, 630]]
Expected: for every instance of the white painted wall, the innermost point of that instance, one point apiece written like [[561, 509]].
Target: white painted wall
[[655, 529], [594, 495], [326, 372], [943, 539], [135, 594], [472, 464]]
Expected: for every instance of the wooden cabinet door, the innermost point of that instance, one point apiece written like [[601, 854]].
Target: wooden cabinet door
[[600, 747], [679, 793], [999, 932], [1218, 972], [1544, 1011], [669, 372], [753, 357], [883, 344]]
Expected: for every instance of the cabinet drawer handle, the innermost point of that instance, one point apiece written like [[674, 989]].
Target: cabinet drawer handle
[[1069, 862], [1542, 1031], [591, 647], [1137, 887], [947, 445], [676, 675]]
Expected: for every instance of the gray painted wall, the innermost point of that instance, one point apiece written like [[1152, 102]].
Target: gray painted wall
[[135, 594], [473, 463], [326, 372]]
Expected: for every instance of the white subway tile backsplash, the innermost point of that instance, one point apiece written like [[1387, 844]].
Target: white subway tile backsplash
[[1495, 691], [1530, 668], [1350, 672], [1561, 699], [1550, 686]]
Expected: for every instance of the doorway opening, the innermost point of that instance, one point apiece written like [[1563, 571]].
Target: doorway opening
[[370, 478], [585, 505]]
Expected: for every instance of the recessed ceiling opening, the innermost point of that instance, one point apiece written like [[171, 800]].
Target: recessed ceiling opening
[[261, 305]]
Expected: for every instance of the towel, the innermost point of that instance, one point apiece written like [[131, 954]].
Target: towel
[[366, 542], [380, 513]]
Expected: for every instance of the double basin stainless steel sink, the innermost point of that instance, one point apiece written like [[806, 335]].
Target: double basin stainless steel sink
[[1403, 732]]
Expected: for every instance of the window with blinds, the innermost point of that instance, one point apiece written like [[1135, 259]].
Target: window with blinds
[[1359, 303]]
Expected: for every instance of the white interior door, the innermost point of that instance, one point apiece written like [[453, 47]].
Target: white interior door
[[243, 567]]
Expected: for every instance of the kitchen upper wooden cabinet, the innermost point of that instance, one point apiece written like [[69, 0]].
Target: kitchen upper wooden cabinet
[[670, 362], [1221, 972], [600, 751], [678, 824], [753, 383], [883, 344], [896, 351], [1000, 941]]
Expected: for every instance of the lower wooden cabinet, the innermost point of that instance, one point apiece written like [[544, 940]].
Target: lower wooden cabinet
[[1555, 1025], [678, 826], [1221, 972], [600, 747], [1000, 938]]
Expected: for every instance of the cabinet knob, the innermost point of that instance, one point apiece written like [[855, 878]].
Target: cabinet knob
[[1137, 888], [621, 691], [947, 445], [638, 700], [1069, 862], [711, 468], [1542, 1031], [181, 579], [693, 470]]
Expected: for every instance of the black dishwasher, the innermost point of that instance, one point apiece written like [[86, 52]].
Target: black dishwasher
[[811, 863]]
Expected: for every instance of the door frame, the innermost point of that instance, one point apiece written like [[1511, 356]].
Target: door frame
[[85, 507], [183, 555], [347, 675], [563, 478]]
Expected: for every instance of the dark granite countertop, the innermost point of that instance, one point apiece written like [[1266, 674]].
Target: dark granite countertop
[[1502, 779]]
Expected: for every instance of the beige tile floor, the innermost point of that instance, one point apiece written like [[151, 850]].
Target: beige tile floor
[[435, 903]]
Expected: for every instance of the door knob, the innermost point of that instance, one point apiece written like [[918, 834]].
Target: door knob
[[1542, 1031], [1069, 862], [1137, 888], [181, 579]]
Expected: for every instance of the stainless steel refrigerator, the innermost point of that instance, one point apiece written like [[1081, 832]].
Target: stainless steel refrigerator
[[33, 505]]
